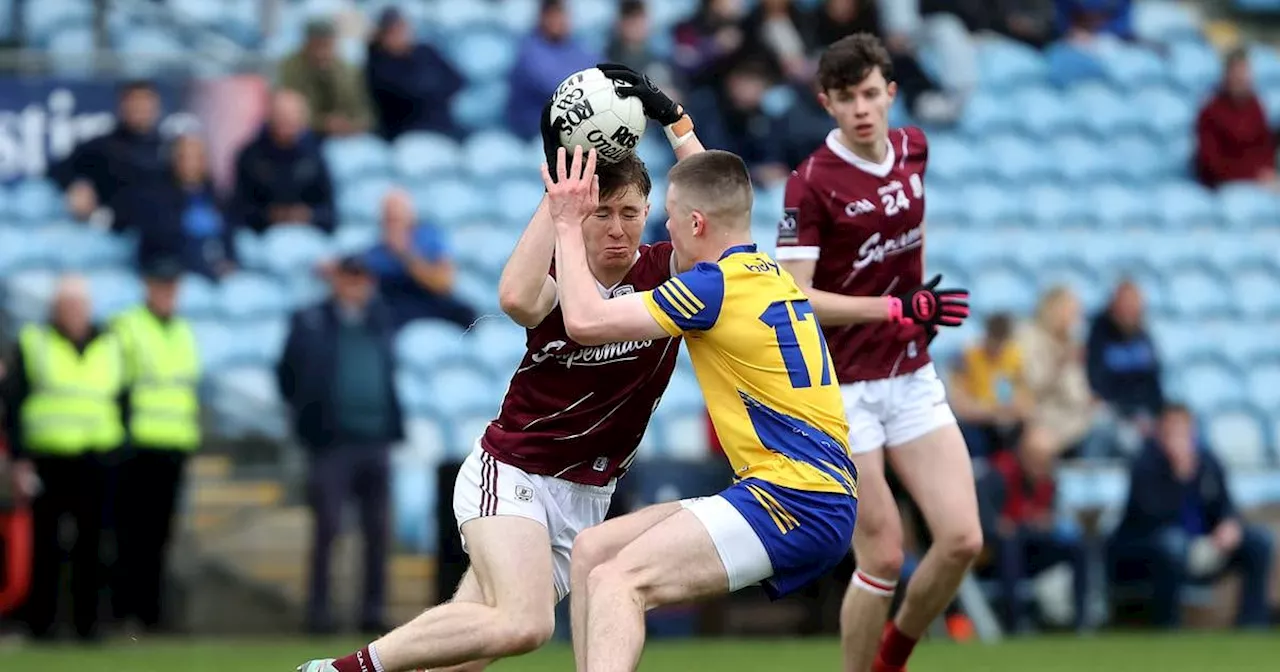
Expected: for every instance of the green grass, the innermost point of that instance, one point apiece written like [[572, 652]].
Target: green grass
[[1183, 652]]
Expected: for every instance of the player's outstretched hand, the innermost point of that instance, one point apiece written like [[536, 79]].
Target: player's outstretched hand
[[550, 137], [658, 106], [931, 307], [574, 194]]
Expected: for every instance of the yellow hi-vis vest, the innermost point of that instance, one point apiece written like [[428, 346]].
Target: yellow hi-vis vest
[[162, 370], [73, 405]]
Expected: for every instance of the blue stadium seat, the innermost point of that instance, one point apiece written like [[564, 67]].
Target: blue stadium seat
[[450, 201], [1006, 65], [1164, 21], [685, 435], [1107, 112], [264, 338], [1256, 292], [197, 297], [1239, 437], [419, 154], [214, 341], [1185, 205], [518, 199], [248, 246], [356, 238], [35, 201], [247, 295], [361, 198], [1208, 383], [519, 16], [1081, 161], [289, 250], [947, 205], [458, 390], [1163, 112], [954, 274], [414, 392], [67, 46], [20, 251], [482, 55], [1018, 161], [414, 491], [426, 437], [1194, 66], [988, 112], [1053, 205], [1079, 277], [480, 105], [146, 51], [1264, 61], [27, 293], [423, 345], [1152, 283], [593, 16], [486, 248], [952, 160], [1042, 111], [492, 154], [469, 426], [1245, 205], [467, 17], [41, 19], [1143, 162], [1129, 65], [1115, 207], [357, 157], [682, 394], [1262, 388], [988, 204], [113, 291], [246, 402], [478, 289], [1178, 341], [1004, 288], [500, 343], [1198, 290], [1271, 103]]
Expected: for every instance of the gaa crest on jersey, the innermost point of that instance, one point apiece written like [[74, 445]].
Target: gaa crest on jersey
[[788, 230], [623, 290]]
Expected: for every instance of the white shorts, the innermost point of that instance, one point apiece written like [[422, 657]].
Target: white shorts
[[741, 551], [893, 411], [487, 487]]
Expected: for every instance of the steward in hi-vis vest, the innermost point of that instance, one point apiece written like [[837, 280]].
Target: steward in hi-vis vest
[[65, 424], [162, 374]]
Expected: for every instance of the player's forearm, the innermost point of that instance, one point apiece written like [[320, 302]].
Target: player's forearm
[[580, 302], [837, 309], [684, 141], [521, 289]]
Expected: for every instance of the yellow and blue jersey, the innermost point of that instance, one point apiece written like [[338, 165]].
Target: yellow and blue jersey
[[763, 365], [772, 393]]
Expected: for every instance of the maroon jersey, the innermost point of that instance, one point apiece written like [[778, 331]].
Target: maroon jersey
[[578, 412], [862, 224]]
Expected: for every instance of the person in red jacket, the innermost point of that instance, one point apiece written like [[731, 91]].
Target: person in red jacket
[[1234, 141], [1028, 539]]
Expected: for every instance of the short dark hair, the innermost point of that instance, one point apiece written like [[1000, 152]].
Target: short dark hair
[[630, 8], [1000, 326], [135, 86], [1172, 408], [716, 182], [1237, 55], [616, 178], [850, 59]]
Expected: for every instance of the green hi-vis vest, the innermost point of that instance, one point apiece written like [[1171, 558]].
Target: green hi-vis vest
[[73, 406], [162, 369]]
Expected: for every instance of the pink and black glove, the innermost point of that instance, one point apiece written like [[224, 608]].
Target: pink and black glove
[[929, 307]]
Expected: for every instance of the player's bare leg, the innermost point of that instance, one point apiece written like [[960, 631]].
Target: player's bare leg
[[510, 560], [938, 473], [674, 561], [596, 546], [877, 543], [469, 590]]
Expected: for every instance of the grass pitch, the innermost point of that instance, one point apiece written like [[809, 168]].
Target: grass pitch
[[1181, 652]]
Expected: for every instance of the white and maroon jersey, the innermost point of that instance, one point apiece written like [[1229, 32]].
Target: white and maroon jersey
[[863, 225], [578, 412]]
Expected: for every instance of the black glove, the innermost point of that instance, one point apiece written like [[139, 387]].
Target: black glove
[[929, 307], [658, 106], [550, 139]]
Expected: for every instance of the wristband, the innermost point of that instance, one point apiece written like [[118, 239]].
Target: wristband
[[679, 132], [894, 305]]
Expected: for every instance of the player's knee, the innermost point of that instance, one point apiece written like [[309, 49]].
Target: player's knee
[[590, 550], [522, 634], [962, 546], [882, 561]]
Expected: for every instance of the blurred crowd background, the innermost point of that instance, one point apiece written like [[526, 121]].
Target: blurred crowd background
[[272, 228]]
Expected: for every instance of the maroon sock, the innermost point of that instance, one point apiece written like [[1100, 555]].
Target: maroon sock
[[895, 647], [360, 661]]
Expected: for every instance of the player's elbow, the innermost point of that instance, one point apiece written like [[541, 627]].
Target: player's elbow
[[587, 331], [523, 310]]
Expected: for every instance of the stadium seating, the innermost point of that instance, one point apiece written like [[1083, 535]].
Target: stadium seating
[[1040, 184]]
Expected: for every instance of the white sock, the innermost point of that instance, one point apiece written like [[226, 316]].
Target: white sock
[[373, 658], [863, 581]]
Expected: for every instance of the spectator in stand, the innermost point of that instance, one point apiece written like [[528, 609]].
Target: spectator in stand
[[630, 44], [1180, 526], [181, 217], [132, 153], [710, 43], [987, 390], [784, 31], [1096, 17], [1028, 537], [281, 176], [908, 28], [334, 90], [410, 83], [1031, 21], [1053, 369], [731, 117], [1122, 362], [546, 57], [413, 267], [1233, 140], [337, 375]]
